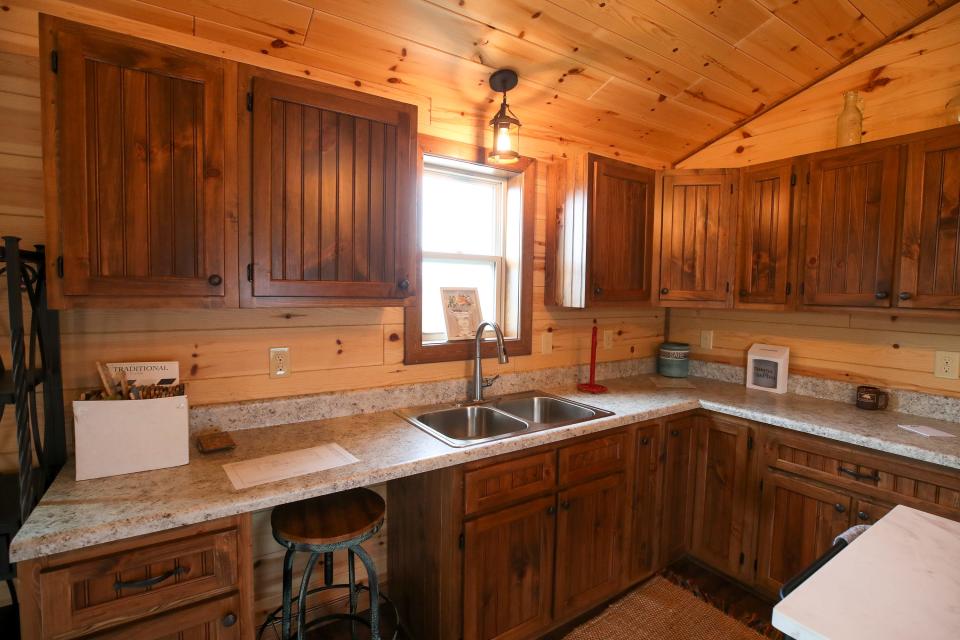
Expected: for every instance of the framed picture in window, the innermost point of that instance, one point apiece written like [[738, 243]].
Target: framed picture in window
[[461, 312]]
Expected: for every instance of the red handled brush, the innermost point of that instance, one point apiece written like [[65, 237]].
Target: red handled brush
[[592, 386]]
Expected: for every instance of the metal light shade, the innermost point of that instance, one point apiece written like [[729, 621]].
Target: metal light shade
[[505, 125]]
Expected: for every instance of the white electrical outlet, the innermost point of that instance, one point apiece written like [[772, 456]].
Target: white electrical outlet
[[946, 364], [546, 342], [279, 362], [706, 339], [608, 339]]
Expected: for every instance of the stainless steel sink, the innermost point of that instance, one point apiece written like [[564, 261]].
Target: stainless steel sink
[[546, 409], [461, 425]]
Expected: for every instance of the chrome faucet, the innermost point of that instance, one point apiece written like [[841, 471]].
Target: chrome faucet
[[479, 382]]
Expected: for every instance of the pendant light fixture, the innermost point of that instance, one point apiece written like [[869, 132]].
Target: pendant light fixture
[[506, 126]]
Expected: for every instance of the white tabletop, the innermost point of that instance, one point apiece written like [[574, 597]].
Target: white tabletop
[[900, 579]]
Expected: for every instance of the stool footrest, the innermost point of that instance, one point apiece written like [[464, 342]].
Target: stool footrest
[[274, 618]]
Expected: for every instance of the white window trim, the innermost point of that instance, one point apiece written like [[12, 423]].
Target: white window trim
[[500, 232]]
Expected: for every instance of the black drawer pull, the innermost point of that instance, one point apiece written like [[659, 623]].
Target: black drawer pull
[[598, 291], [664, 291], [905, 295], [863, 515], [404, 284], [565, 505], [551, 510], [744, 293], [674, 433], [872, 477], [215, 280], [229, 620], [839, 507], [149, 582], [881, 295], [644, 441]]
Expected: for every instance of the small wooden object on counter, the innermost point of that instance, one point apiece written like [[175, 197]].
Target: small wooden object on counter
[[871, 398], [215, 442]]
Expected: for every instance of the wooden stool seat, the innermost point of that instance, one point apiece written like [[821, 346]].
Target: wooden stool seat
[[330, 519]]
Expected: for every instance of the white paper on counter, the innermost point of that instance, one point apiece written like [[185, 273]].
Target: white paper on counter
[[924, 430], [280, 466]]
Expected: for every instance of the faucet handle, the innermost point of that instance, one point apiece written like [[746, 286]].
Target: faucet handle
[[489, 381]]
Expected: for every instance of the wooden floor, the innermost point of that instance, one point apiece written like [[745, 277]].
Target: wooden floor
[[736, 601]]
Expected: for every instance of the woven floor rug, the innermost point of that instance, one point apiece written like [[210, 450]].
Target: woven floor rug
[[661, 610]]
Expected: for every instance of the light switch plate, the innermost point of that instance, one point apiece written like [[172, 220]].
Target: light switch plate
[[279, 362], [546, 342], [706, 339], [608, 339], [946, 364]]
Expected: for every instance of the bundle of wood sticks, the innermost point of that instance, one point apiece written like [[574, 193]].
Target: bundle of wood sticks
[[116, 387]]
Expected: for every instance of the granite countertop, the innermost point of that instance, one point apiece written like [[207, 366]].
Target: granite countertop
[[893, 581], [73, 514]]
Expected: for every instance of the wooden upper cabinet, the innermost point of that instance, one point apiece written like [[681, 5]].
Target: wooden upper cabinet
[[850, 230], [621, 232], [599, 233], [134, 143], [930, 251], [763, 252], [332, 192], [697, 236]]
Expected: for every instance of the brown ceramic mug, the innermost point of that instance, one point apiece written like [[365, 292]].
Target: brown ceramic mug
[[871, 398]]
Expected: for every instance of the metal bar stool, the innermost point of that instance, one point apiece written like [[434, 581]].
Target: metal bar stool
[[320, 526]]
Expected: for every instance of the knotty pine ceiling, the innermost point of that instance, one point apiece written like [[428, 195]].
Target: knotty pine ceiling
[[652, 81]]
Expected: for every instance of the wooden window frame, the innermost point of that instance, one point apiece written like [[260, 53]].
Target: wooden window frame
[[415, 351]]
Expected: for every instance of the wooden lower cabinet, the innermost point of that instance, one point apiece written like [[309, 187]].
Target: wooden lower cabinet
[[589, 543], [508, 571], [723, 474], [679, 459], [798, 522], [645, 511], [211, 620]]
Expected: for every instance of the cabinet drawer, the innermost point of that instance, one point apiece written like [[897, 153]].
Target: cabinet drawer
[[217, 619], [592, 458], [863, 472], [112, 589], [506, 482]]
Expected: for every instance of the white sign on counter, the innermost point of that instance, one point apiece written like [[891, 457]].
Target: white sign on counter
[[280, 466]]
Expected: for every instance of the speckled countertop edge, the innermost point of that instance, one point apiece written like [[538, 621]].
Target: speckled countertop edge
[[74, 514]]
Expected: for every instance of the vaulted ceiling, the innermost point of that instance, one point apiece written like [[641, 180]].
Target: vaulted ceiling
[[651, 80]]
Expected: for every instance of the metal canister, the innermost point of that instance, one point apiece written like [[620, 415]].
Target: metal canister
[[674, 360]]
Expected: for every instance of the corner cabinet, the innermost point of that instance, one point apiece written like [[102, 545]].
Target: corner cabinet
[[327, 191], [135, 157], [697, 236], [599, 232]]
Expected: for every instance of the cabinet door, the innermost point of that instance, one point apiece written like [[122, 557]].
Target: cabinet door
[[212, 620], [868, 511], [645, 518], [621, 231], [332, 198], [679, 460], [508, 571], [720, 511], [697, 239], [589, 543], [798, 522], [140, 138], [929, 262], [763, 269], [851, 228]]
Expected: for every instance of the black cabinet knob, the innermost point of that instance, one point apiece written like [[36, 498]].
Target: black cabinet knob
[[229, 620], [743, 293], [597, 291], [404, 284], [674, 433], [905, 295], [881, 295], [664, 291], [863, 515], [644, 441], [839, 507], [215, 280], [551, 510], [565, 505]]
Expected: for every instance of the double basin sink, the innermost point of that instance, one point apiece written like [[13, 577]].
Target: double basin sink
[[466, 424]]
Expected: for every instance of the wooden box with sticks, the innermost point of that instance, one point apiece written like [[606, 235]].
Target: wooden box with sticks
[[126, 426]]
